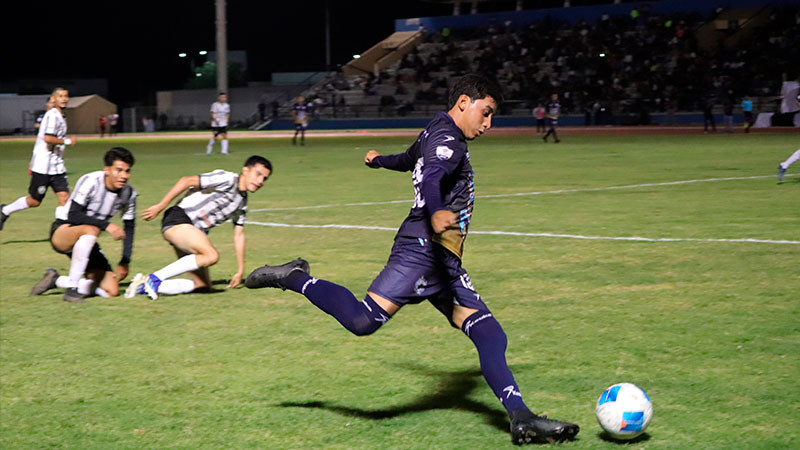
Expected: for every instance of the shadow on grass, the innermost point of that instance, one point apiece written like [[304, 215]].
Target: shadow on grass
[[452, 393], [607, 437]]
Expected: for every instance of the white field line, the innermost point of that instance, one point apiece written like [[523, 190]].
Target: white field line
[[525, 194], [550, 235]]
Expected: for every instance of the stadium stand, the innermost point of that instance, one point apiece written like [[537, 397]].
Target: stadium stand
[[621, 67]]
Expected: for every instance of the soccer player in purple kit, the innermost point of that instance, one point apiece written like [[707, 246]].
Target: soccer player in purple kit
[[425, 262]]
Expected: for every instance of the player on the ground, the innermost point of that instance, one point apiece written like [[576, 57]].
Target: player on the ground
[[220, 114], [47, 164], [425, 262], [792, 159], [98, 196], [300, 112], [214, 198], [553, 109]]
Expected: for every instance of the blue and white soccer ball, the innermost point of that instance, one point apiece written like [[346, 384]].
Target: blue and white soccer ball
[[624, 410]]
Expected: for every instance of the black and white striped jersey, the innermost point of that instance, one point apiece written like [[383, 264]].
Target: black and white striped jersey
[[92, 203], [47, 158], [217, 200]]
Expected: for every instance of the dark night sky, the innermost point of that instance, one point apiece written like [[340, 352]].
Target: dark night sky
[[135, 44]]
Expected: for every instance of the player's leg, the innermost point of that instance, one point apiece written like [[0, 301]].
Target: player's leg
[[210, 145], [224, 142], [36, 191], [359, 317], [296, 132], [553, 126], [785, 165], [79, 240], [60, 186], [198, 251], [468, 312], [303, 134]]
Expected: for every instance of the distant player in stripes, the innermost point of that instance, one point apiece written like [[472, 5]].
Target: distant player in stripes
[[214, 198], [47, 164], [98, 196], [300, 112], [553, 110], [220, 115], [792, 159]]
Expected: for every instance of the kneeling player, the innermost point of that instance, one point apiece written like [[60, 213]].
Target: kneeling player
[[97, 197], [216, 197]]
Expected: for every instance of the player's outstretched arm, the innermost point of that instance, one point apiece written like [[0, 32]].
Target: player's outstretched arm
[[401, 162], [239, 245], [182, 185]]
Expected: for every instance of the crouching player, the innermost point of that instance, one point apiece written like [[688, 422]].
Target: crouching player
[[97, 197], [214, 198]]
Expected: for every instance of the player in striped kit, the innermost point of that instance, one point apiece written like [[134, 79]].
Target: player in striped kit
[[220, 114], [98, 196], [214, 198], [47, 164]]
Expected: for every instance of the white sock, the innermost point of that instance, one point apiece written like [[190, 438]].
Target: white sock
[[176, 286], [225, 146], [18, 205], [63, 282], [84, 286], [210, 145], [101, 293], [80, 257], [792, 159], [183, 265]]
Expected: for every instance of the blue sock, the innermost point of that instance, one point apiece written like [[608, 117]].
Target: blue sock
[[490, 340], [360, 318]]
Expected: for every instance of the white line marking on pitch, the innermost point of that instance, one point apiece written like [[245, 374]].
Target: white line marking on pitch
[[524, 194], [551, 235]]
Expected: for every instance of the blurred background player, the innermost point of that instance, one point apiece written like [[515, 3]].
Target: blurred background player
[[553, 109], [425, 261], [113, 120], [98, 196], [747, 110], [539, 114], [214, 198], [47, 164], [220, 114], [792, 159], [300, 112]]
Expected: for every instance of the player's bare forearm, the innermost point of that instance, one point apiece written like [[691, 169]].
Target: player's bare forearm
[[182, 185], [239, 245]]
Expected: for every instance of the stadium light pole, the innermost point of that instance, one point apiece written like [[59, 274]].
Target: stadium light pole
[[222, 48], [327, 36]]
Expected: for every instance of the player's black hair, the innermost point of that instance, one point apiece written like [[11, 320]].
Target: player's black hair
[[256, 159], [118, 154], [475, 87], [222, 93]]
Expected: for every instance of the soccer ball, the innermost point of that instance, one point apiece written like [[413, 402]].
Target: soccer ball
[[624, 410]]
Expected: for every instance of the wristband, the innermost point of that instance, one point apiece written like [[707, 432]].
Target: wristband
[[67, 141]]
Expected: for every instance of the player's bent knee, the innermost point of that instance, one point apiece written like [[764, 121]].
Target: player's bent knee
[[368, 318], [32, 202]]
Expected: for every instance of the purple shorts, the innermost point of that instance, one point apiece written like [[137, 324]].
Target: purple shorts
[[420, 270]]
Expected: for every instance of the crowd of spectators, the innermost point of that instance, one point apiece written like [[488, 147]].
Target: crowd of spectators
[[638, 62]]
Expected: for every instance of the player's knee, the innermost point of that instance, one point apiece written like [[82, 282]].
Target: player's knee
[[112, 289], [363, 326], [208, 258], [32, 202]]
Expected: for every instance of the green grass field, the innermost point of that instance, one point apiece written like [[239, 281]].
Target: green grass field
[[709, 327]]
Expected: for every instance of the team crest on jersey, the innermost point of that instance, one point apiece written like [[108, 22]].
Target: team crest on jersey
[[420, 285], [41, 189], [443, 152]]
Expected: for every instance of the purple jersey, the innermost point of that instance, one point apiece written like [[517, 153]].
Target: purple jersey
[[442, 178]]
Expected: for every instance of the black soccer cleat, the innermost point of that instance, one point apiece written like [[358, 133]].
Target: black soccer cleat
[[73, 296], [275, 276], [3, 217], [47, 282], [528, 428]]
